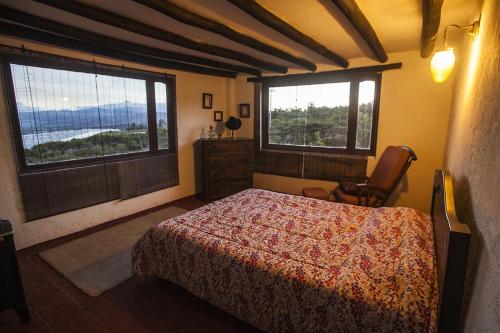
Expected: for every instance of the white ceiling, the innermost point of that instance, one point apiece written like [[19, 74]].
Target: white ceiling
[[396, 22]]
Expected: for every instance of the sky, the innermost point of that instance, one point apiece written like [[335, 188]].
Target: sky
[[52, 89], [326, 94]]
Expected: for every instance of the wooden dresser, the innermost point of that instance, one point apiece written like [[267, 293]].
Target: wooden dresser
[[223, 166]]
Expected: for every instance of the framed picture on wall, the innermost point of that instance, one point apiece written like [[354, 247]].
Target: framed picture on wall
[[244, 110], [218, 116], [207, 101]]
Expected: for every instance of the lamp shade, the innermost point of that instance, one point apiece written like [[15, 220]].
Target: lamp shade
[[442, 64]]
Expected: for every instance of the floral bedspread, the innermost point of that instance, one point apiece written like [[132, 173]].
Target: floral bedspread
[[286, 263]]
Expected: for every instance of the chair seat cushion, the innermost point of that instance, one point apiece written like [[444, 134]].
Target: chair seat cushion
[[316, 193]]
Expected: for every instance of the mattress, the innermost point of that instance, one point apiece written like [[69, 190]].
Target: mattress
[[287, 263]]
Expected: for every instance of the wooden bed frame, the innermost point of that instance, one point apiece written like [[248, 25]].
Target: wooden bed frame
[[451, 240]]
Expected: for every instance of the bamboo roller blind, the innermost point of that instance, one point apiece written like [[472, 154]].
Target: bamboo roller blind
[[54, 192]]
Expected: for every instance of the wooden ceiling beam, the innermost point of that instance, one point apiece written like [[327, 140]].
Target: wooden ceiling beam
[[261, 14], [98, 39], [193, 19], [118, 21], [328, 74], [31, 34], [352, 12], [431, 17]]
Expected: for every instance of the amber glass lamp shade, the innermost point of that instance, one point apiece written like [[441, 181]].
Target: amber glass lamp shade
[[442, 64]]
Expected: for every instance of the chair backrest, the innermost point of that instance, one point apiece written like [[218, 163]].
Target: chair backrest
[[391, 167]]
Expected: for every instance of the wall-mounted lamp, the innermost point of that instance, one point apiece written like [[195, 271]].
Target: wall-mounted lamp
[[443, 59]]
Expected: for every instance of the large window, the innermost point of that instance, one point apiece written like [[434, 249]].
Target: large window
[[330, 115], [80, 113]]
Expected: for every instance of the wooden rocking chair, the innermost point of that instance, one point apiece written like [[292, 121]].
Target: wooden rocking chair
[[375, 191]]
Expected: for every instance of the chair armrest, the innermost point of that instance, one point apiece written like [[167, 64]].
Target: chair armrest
[[363, 186], [350, 187]]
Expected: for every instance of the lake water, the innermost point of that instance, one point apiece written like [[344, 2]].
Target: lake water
[[29, 140]]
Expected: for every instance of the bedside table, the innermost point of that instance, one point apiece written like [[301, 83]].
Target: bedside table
[[11, 286]]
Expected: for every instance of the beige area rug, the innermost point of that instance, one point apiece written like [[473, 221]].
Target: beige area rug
[[102, 260]]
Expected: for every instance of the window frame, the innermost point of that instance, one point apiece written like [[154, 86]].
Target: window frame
[[354, 80], [77, 65]]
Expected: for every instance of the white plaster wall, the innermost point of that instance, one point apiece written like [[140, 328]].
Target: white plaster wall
[[473, 157], [190, 118]]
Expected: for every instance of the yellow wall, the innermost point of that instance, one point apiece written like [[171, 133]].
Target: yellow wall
[[413, 111], [190, 118], [244, 95], [473, 157]]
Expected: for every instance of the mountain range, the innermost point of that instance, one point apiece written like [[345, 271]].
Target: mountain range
[[118, 116]]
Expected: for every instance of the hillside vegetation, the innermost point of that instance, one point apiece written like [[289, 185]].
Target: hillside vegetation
[[98, 145], [318, 126]]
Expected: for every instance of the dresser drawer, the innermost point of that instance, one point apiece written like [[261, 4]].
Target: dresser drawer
[[229, 146], [219, 160], [235, 173], [225, 188]]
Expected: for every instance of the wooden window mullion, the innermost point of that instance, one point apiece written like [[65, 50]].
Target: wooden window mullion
[[171, 115], [352, 116], [376, 110], [151, 107], [265, 113]]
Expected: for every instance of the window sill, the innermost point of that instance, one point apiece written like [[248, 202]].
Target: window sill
[[56, 166], [318, 150]]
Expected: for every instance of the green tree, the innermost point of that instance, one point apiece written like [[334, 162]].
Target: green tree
[[317, 126]]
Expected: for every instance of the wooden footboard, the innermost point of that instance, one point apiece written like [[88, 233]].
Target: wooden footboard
[[452, 245]]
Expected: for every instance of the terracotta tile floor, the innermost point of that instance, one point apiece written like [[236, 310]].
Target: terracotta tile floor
[[138, 305]]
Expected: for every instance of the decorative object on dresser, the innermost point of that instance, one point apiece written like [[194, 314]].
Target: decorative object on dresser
[[233, 124], [11, 286], [218, 116], [219, 128], [207, 101], [244, 110], [211, 134], [203, 134], [223, 167]]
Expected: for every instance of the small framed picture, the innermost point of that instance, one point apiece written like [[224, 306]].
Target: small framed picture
[[244, 110], [207, 101], [218, 116]]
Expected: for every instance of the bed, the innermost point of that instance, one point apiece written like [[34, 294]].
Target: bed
[[287, 263]]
